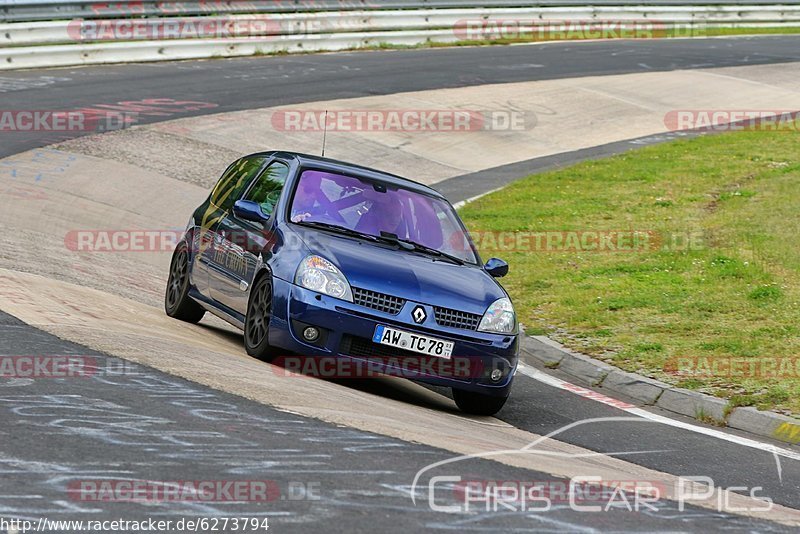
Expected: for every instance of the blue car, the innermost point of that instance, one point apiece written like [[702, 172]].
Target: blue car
[[329, 260]]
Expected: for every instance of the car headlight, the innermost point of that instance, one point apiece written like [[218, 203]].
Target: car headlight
[[499, 318], [320, 275]]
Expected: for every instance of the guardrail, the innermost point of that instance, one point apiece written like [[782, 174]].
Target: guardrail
[[31, 10], [315, 26]]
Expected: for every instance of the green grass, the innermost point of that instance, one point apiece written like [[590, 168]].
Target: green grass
[[714, 32], [733, 291]]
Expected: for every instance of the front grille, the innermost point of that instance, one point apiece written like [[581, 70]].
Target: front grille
[[378, 301], [359, 346], [456, 318]]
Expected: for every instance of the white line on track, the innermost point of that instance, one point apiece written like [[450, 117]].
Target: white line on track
[[558, 383], [459, 205]]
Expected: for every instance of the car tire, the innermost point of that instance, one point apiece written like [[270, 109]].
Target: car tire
[[256, 322], [477, 403], [177, 302]]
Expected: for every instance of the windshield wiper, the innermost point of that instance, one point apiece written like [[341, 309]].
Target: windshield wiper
[[385, 237], [407, 244], [338, 229]]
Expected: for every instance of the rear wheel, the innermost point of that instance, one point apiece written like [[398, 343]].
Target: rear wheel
[[477, 403], [256, 324], [177, 302]]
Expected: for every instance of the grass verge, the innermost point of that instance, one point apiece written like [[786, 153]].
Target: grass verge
[[708, 300]]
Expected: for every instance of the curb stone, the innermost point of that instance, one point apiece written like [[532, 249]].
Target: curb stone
[[585, 369], [778, 426], [693, 404], [552, 355], [544, 350], [646, 390]]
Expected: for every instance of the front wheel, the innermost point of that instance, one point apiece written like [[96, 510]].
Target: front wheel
[[477, 403], [177, 302], [256, 324]]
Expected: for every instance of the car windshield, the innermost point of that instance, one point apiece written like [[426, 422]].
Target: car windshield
[[371, 207]]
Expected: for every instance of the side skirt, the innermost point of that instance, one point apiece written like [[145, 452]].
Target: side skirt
[[220, 310]]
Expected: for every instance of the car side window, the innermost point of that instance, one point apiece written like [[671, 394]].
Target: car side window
[[234, 181], [268, 187]]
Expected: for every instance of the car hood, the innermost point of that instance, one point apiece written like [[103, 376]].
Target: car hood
[[409, 275]]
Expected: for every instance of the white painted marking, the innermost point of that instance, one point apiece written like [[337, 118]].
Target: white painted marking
[[459, 205], [640, 412]]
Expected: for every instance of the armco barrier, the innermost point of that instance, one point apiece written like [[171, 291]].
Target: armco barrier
[[314, 26], [30, 10]]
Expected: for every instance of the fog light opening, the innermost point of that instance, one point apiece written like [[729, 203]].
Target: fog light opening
[[310, 334], [496, 375]]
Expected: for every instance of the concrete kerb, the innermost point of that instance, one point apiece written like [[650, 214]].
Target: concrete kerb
[[544, 352]]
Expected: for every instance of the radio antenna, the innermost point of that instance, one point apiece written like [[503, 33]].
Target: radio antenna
[[324, 132]]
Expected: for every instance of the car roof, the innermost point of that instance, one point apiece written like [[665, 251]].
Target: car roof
[[334, 165]]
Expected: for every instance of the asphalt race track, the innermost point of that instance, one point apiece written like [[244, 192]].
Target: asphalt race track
[[145, 424], [236, 84]]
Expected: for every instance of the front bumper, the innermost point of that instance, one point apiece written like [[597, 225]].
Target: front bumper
[[348, 329]]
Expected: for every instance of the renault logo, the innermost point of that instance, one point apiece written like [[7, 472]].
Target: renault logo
[[419, 315]]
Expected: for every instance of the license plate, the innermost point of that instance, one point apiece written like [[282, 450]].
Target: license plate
[[413, 342]]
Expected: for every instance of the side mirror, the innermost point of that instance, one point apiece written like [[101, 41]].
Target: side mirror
[[496, 267], [249, 211]]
